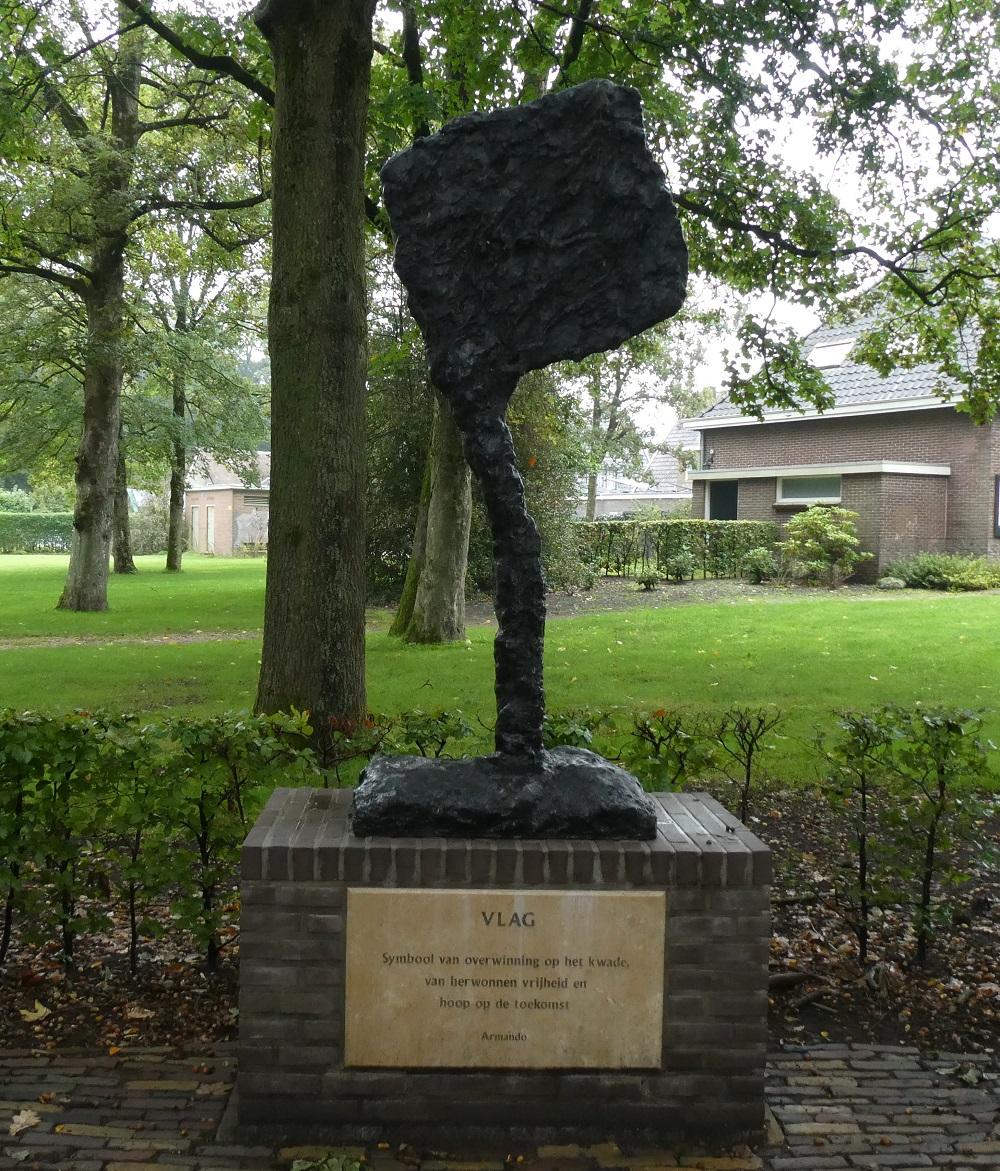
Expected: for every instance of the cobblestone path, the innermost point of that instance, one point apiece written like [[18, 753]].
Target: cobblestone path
[[830, 1107]]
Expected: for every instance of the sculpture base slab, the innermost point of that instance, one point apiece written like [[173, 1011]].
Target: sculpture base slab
[[562, 793]]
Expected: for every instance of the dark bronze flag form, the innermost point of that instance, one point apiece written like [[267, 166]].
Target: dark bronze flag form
[[523, 237]]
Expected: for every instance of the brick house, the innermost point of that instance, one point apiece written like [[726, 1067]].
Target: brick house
[[225, 515], [920, 474]]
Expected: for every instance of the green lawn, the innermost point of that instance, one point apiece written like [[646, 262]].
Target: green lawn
[[809, 654], [212, 593]]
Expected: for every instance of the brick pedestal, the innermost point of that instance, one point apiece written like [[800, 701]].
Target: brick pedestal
[[298, 863]]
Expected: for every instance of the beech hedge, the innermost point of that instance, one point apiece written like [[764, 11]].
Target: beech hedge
[[626, 548], [36, 532], [110, 819]]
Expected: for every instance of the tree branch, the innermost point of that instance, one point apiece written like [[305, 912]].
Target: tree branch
[[214, 62], [190, 120], [783, 244], [574, 42], [199, 204], [47, 274]]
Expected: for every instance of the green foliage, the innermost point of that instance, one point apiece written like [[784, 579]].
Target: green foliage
[[430, 733], [856, 764], [947, 571], [741, 736], [574, 727], [16, 500], [912, 781], [758, 565], [330, 1162], [149, 525], [649, 579], [680, 566], [717, 547], [100, 805], [36, 532], [668, 747], [940, 764], [824, 542]]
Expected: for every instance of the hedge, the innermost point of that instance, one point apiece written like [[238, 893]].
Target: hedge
[[627, 548], [106, 815], [36, 532]]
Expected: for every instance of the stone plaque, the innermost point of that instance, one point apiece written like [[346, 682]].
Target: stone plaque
[[505, 979]]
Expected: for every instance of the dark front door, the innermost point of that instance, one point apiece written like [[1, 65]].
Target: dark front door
[[722, 499]]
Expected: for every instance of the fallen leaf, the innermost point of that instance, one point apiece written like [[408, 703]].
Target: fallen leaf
[[139, 1014], [38, 1013], [23, 1120]]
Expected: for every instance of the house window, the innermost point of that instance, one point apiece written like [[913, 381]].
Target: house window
[[808, 490]]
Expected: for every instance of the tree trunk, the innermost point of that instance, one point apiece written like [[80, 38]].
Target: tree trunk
[[418, 551], [124, 562], [439, 600], [313, 654], [591, 496], [97, 457], [178, 467]]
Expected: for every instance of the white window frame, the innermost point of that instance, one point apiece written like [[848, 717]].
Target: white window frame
[[781, 498]]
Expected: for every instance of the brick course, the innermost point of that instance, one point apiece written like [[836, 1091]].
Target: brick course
[[294, 925]]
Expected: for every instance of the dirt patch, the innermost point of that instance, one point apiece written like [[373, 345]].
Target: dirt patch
[[620, 593]]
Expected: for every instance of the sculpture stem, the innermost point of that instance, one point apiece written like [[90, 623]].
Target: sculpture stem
[[519, 594]]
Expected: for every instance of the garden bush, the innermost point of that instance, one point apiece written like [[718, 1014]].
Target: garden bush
[[149, 526], [824, 542], [759, 565], [912, 782], [110, 815], [16, 500], [947, 571], [97, 808], [36, 532]]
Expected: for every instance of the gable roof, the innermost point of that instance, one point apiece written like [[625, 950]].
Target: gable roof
[[206, 472], [857, 389]]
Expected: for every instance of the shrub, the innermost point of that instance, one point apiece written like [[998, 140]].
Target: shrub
[[149, 526], [95, 806], [911, 781], [668, 747], [16, 500], [759, 565], [892, 583], [679, 567], [940, 763], [824, 541], [36, 532], [857, 770], [648, 580], [947, 571], [740, 737]]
